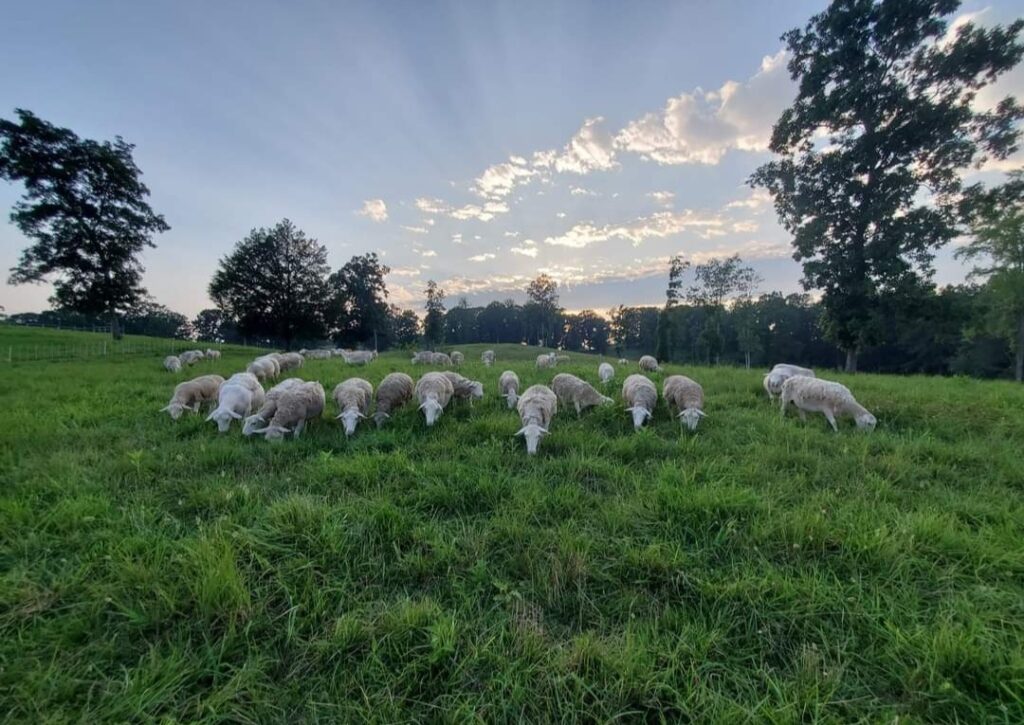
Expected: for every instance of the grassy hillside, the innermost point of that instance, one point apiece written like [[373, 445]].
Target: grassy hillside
[[758, 569]]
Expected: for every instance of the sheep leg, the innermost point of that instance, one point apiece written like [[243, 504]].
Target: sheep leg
[[831, 419], [578, 411], [803, 416], [299, 428]]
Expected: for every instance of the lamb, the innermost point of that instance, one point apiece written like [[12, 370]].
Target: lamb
[[236, 399], [649, 364], [781, 373], [547, 360], [288, 360], [294, 408], [353, 397], [536, 407], [464, 388], [574, 391], [686, 396], [605, 372], [213, 354], [812, 395], [458, 358], [269, 407], [487, 357], [434, 391], [359, 357], [190, 394], [640, 397], [172, 364], [508, 387], [394, 391]]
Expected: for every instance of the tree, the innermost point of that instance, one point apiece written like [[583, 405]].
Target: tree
[[460, 323], [405, 327], [211, 324], [357, 310], [433, 323], [500, 322], [542, 310], [896, 101], [716, 281], [676, 267], [85, 209], [273, 284], [998, 244], [155, 320], [586, 331]]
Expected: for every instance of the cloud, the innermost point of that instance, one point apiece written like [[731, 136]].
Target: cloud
[[665, 198], [757, 200], [481, 257], [512, 235], [375, 209], [580, 191], [560, 214], [498, 181], [416, 230], [525, 251], [483, 212], [404, 272], [658, 225], [457, 238], [591, 149], [700, 127], [428, 253], [745, 226]]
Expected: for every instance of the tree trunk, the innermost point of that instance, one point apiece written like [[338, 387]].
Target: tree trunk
[[1018, 373], [115, 327], [851, 360], [747, 355]]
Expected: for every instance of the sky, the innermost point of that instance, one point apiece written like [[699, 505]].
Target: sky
[[474, 143]]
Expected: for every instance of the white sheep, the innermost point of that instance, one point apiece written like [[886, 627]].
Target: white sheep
[[359, 357], [236, 399], [190, 394], [546, 360], [576, 392], [779, 374], [464, 388], [640, 397], [394, 391], [322, 354], [440, 358], [605, 372], [172, 364], [434, 391], [353, 398], [458, 358], [288, 360], [264, 368], [190, 357], [623, 361], [487, 357], [269, 407], [813, 395], [423, 357], [685, 396], [295, 407], [213, 354], [649, 364], [536, 407], [508, 387]]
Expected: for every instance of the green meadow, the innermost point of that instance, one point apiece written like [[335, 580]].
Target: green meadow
[[757, 570]]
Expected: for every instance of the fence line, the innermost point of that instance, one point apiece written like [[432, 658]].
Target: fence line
[[105, 348]]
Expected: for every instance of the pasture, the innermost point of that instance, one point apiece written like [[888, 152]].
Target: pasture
[[755, 570]]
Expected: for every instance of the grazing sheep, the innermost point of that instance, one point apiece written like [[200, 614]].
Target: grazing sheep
[[190, 394], [458, 358], [623, 361], [508, 387], [561, 358], [440, 358], [547, 360], [213, 354], [190, 357], [359, 357], [353, 397], [781, 373], [812, 395], [269, 407], [288, 360], [536, 407], [605, 372], [172, 364], [464, 388], [295, 407], [434, 391], [394, 391], [686, 396], [264, 368], [577, 392], [640, 397], [236, 399], [648, 364], [317, 354], [423, 357], [487, 357]]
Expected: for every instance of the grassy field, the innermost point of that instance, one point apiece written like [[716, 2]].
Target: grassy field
[[758, 570]]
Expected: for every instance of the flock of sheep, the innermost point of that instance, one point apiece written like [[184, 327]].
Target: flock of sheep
[[289, 405]]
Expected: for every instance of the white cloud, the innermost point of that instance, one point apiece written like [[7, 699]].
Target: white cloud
[[375, 209], [498, 181], [580, 191], [757, 200], [526, 251], [457, 238], [404, 272], [560, 214], [483, 212], [745, 226], [415, 230], [592, 148], [428, 253], [658, 225], [431, 206], [512, 235], [481, 257], [665, 198]]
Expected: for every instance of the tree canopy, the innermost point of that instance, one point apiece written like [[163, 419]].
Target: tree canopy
[[358, 306]]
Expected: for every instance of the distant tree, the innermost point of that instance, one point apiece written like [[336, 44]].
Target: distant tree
[[433, 323], [155, 320], [715, 282], [500, 322], [897, 104], [274, 284], [998, 245], [405, 327], [677, 266], [542, 310], [85, 209], [586, 331], [357, 308], [211, 324], [460, 323]]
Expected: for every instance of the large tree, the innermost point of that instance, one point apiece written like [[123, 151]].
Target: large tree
[[541, 311], [273, 284], [894, 97], [433, 323], [998, 248], [358, 305], [716, 281], [404, 326], [677, 266], [85, 210]]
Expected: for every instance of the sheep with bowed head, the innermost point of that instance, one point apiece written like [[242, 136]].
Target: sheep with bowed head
[[353, 398], [295, 408], [465, 389], [781, 373], [266, 412], [685, 396], [394, 391], [536, 407], [508, 387], [458, 358], [487, 357], [640, 397], [575, 392], [813, 395], [434, 391], [546, 360], [172, 364], [605, 372], [191, 394], [649, 364], [239, 396]]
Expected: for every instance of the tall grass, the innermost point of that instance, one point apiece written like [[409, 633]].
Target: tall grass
[[759, 569]]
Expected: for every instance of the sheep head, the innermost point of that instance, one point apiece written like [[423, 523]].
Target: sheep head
[[431, 410], [532, 432], [691, 417], [640, 415], [350, 419]]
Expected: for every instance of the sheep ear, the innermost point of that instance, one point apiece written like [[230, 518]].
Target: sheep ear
[[164, 409], [702, 414], [521, 431], [338, 416], [360, 415], [236, 416], [544, 430], [210, 416]]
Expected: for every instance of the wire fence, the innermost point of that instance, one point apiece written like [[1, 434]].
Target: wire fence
[[106, 348]]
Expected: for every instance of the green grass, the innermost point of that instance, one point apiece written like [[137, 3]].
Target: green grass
[[758, 570]]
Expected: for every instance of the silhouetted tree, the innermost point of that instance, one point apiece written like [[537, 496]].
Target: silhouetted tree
[[541, 312], [357, 310], [433, 323], [405, 327]]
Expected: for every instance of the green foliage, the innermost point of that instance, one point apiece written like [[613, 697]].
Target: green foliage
[[84, 209], [757, 570], [433, 323], [897, 105], [358, 305]]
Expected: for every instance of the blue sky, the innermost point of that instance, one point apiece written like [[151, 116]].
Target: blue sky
[[477, 144]]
